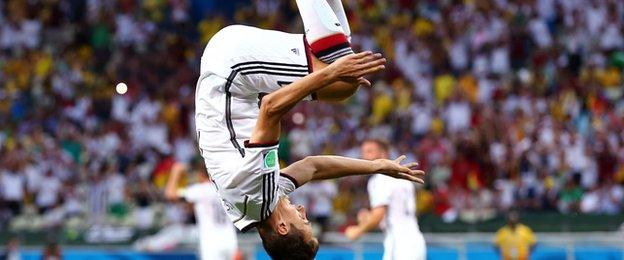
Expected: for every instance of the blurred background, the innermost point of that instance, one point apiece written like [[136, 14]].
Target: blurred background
[[507, 104]]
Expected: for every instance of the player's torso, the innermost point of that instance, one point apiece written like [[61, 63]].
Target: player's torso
[[211, 218], [401, 211], [239, 66], [254, 61]]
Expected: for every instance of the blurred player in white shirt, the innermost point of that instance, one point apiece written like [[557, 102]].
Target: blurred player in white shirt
[[393, 209], [217, 237]]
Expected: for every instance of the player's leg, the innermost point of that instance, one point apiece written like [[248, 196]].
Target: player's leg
[[336, 5], [323, 30]]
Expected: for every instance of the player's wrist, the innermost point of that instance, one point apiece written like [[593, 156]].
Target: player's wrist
[[379, 165]]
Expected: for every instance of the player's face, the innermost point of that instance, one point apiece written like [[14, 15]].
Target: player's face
[[296, 215], [372, 151]]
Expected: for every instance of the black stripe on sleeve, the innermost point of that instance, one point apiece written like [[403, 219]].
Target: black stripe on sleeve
[[268, 201], [291, 179], [228, 113], [262, 208], [274, 188]]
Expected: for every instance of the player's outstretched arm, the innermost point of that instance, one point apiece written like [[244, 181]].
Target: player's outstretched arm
[[275, 105], [171, 188], [367, 221], [331, 167]]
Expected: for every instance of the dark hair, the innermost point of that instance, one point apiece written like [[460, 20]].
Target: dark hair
[[291, 246], [383, 145]]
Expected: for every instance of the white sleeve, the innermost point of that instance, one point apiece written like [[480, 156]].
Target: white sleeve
[[379, 192], [287, 184]]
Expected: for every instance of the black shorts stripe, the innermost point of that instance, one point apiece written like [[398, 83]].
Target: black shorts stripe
[[268, 63], [228, 113], [304, 70], [274, 73]]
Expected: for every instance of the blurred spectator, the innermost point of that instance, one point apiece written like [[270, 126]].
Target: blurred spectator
[[13, 186], [12, 250], [51, 252], [514, 240]]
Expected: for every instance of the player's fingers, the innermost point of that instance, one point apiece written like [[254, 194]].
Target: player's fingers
[[400, 159], [371, 70], [411, 165], [372, 62], [411, 178], [418, 173], [369, 58], [360, 55], [362, 82]]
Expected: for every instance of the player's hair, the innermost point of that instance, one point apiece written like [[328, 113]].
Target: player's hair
[[383, 145], [291, 246]]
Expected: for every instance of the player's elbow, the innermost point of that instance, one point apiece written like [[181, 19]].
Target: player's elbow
[[271, 107]]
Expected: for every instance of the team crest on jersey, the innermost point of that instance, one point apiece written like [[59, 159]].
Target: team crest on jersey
[[270, 159]]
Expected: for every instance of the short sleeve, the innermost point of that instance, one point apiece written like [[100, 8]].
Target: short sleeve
[[379, 192], [287, 184]]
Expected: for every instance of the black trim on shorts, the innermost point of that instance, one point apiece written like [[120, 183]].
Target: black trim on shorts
[[228, 113], [256, 145], [291, 179]]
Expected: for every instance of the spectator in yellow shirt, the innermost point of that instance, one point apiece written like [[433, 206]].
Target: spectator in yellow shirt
[[514, 240]]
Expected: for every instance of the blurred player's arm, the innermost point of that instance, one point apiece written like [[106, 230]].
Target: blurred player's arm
[[367, 221], [330, 167], [171, 188]]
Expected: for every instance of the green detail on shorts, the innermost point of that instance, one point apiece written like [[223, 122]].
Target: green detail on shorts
[[270, 159]]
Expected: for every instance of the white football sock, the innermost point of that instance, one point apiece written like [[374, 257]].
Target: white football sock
[[323, 30]]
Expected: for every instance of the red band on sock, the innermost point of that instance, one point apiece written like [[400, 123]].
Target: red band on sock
[[328, 42]]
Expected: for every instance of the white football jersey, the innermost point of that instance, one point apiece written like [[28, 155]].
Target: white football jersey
[[239, 66], [403, 239], [217, 237]]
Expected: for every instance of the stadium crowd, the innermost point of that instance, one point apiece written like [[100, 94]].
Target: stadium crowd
[[505, 103]]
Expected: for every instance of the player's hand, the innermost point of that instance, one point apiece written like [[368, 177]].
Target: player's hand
[[353, 232], [355, 66], [394, 168]]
